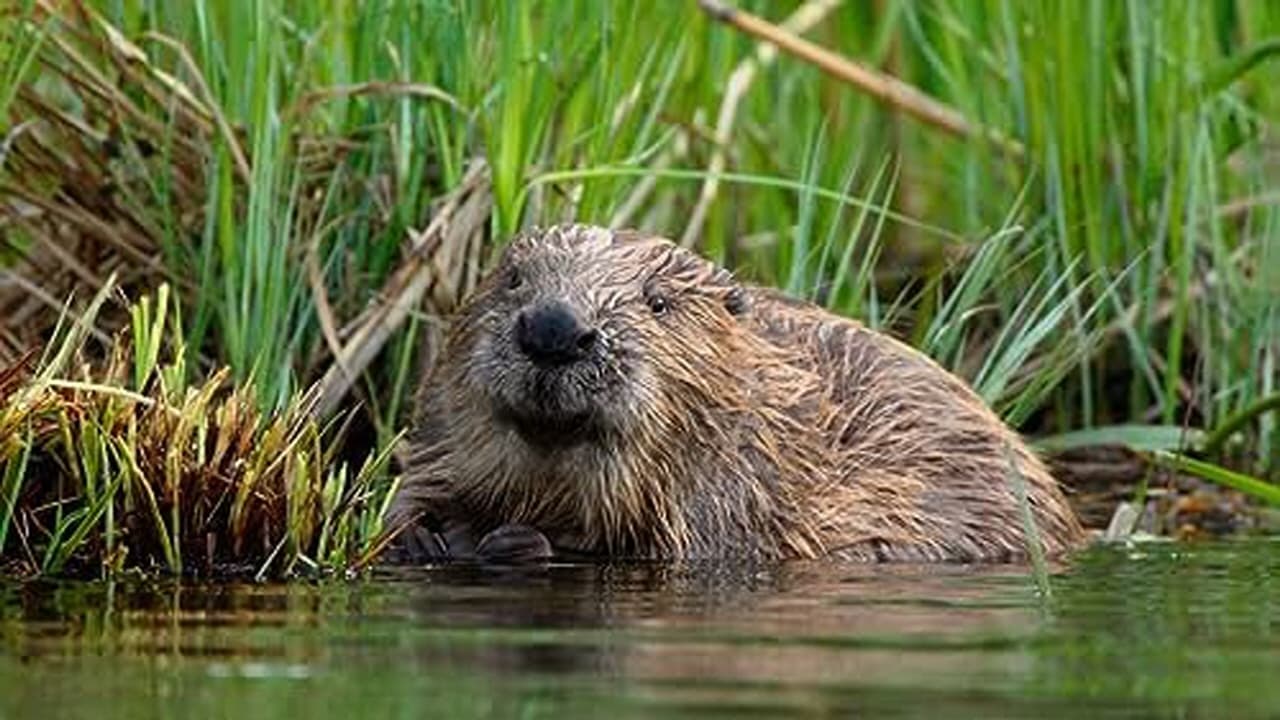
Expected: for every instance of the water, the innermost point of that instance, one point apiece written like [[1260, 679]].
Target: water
[[1161, 629]]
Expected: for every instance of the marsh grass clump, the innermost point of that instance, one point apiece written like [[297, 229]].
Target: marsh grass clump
[[130, 466]]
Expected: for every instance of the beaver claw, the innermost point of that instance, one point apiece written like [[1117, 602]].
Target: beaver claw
[[506, 545], [513, 544]]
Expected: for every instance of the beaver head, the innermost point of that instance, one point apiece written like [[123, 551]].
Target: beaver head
[[588, 385], [577, 333]]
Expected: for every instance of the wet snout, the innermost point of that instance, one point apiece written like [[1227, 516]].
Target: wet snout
[[552, 334]]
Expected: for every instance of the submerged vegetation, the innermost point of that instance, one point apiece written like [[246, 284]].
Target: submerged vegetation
[[1095, 245]]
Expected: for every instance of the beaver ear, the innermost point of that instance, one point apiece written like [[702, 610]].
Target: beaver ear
[[737, 302]]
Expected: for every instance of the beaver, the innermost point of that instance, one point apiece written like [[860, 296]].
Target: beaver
[[610, 394]]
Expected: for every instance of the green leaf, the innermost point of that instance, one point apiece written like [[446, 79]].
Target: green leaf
[[1231, 69], [14, 471], [1246, 484], [1138, 437]]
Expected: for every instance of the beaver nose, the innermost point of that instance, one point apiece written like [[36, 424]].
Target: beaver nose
[[552, 335]]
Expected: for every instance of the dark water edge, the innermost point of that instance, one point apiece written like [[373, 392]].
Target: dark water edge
[[1177, 630]]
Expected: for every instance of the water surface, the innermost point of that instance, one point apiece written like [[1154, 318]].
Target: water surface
[[1158, 629]]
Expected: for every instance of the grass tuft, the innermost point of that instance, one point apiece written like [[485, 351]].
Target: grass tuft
[[132, 468]]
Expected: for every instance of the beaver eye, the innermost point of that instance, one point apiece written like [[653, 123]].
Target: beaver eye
[[658, 304], [513, 279]]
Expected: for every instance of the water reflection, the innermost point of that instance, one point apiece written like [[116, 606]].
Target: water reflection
[[1172, 631]]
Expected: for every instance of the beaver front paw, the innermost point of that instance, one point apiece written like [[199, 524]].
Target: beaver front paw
[[513, 544], [416, 544]]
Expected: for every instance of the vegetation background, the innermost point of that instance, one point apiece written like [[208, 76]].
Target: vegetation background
[[313, 184]]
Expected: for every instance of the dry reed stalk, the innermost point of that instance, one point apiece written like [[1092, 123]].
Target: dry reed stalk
[[885, 88]]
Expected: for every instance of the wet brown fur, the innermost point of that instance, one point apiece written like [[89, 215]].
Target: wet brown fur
[[754, 426]]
